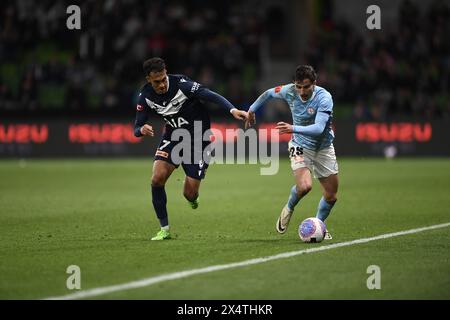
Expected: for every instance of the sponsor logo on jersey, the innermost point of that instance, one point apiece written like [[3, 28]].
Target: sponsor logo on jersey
[[176, 122], [139, 107], [162, 154], [278, 89]]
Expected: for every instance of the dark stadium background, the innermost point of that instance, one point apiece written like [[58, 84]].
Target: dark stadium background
[[72, 92], [75, 182]]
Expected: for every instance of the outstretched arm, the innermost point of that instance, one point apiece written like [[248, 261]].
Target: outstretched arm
[[262, 99], [315, 129], [208, 95]]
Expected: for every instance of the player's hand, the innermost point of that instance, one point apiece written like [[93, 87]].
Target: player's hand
[[284, 127], [147, 130], [239, 114], [251, 120]]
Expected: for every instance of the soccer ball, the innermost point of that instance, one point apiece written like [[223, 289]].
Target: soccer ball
[[312, 230]]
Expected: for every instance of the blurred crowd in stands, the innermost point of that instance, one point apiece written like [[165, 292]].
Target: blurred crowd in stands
[[45, 68], [388, 74]]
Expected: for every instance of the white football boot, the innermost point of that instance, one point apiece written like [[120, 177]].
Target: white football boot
[[328, 236], [283, 220]]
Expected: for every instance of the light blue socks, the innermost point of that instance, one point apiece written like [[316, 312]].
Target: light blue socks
[[324, 209], [293, 198]]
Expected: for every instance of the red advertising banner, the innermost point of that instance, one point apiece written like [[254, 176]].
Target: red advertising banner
[[56, 138]]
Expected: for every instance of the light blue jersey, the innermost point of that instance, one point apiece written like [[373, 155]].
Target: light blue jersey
[[311, 118]]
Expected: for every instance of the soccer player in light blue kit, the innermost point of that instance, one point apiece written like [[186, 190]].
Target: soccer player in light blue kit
[[311, 149]]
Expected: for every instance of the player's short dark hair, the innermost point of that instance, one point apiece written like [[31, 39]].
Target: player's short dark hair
[[153, 65], [305, 72]]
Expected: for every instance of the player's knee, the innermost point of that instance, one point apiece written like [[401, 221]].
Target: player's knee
[[190, 194], [330, 197], [304, 188], [158, 181]]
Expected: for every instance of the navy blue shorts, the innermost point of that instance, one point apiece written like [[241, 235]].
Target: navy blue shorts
[[194, 162]]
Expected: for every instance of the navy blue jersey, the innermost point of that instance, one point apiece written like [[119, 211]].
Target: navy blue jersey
[[180, 106]]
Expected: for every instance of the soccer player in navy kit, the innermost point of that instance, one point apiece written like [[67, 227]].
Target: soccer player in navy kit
[[177, 99]]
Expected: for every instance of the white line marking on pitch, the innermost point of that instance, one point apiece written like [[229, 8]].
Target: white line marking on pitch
[[184, 274]]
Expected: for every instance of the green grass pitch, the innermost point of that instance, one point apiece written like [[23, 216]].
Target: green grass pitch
[[97, 214]]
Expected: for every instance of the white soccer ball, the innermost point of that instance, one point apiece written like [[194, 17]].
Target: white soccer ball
[[312, 230]]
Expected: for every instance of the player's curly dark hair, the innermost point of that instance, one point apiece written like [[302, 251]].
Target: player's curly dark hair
[[153, 65], [305, 72]]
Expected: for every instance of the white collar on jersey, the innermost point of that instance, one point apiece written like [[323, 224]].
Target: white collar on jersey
[[312, 96]]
